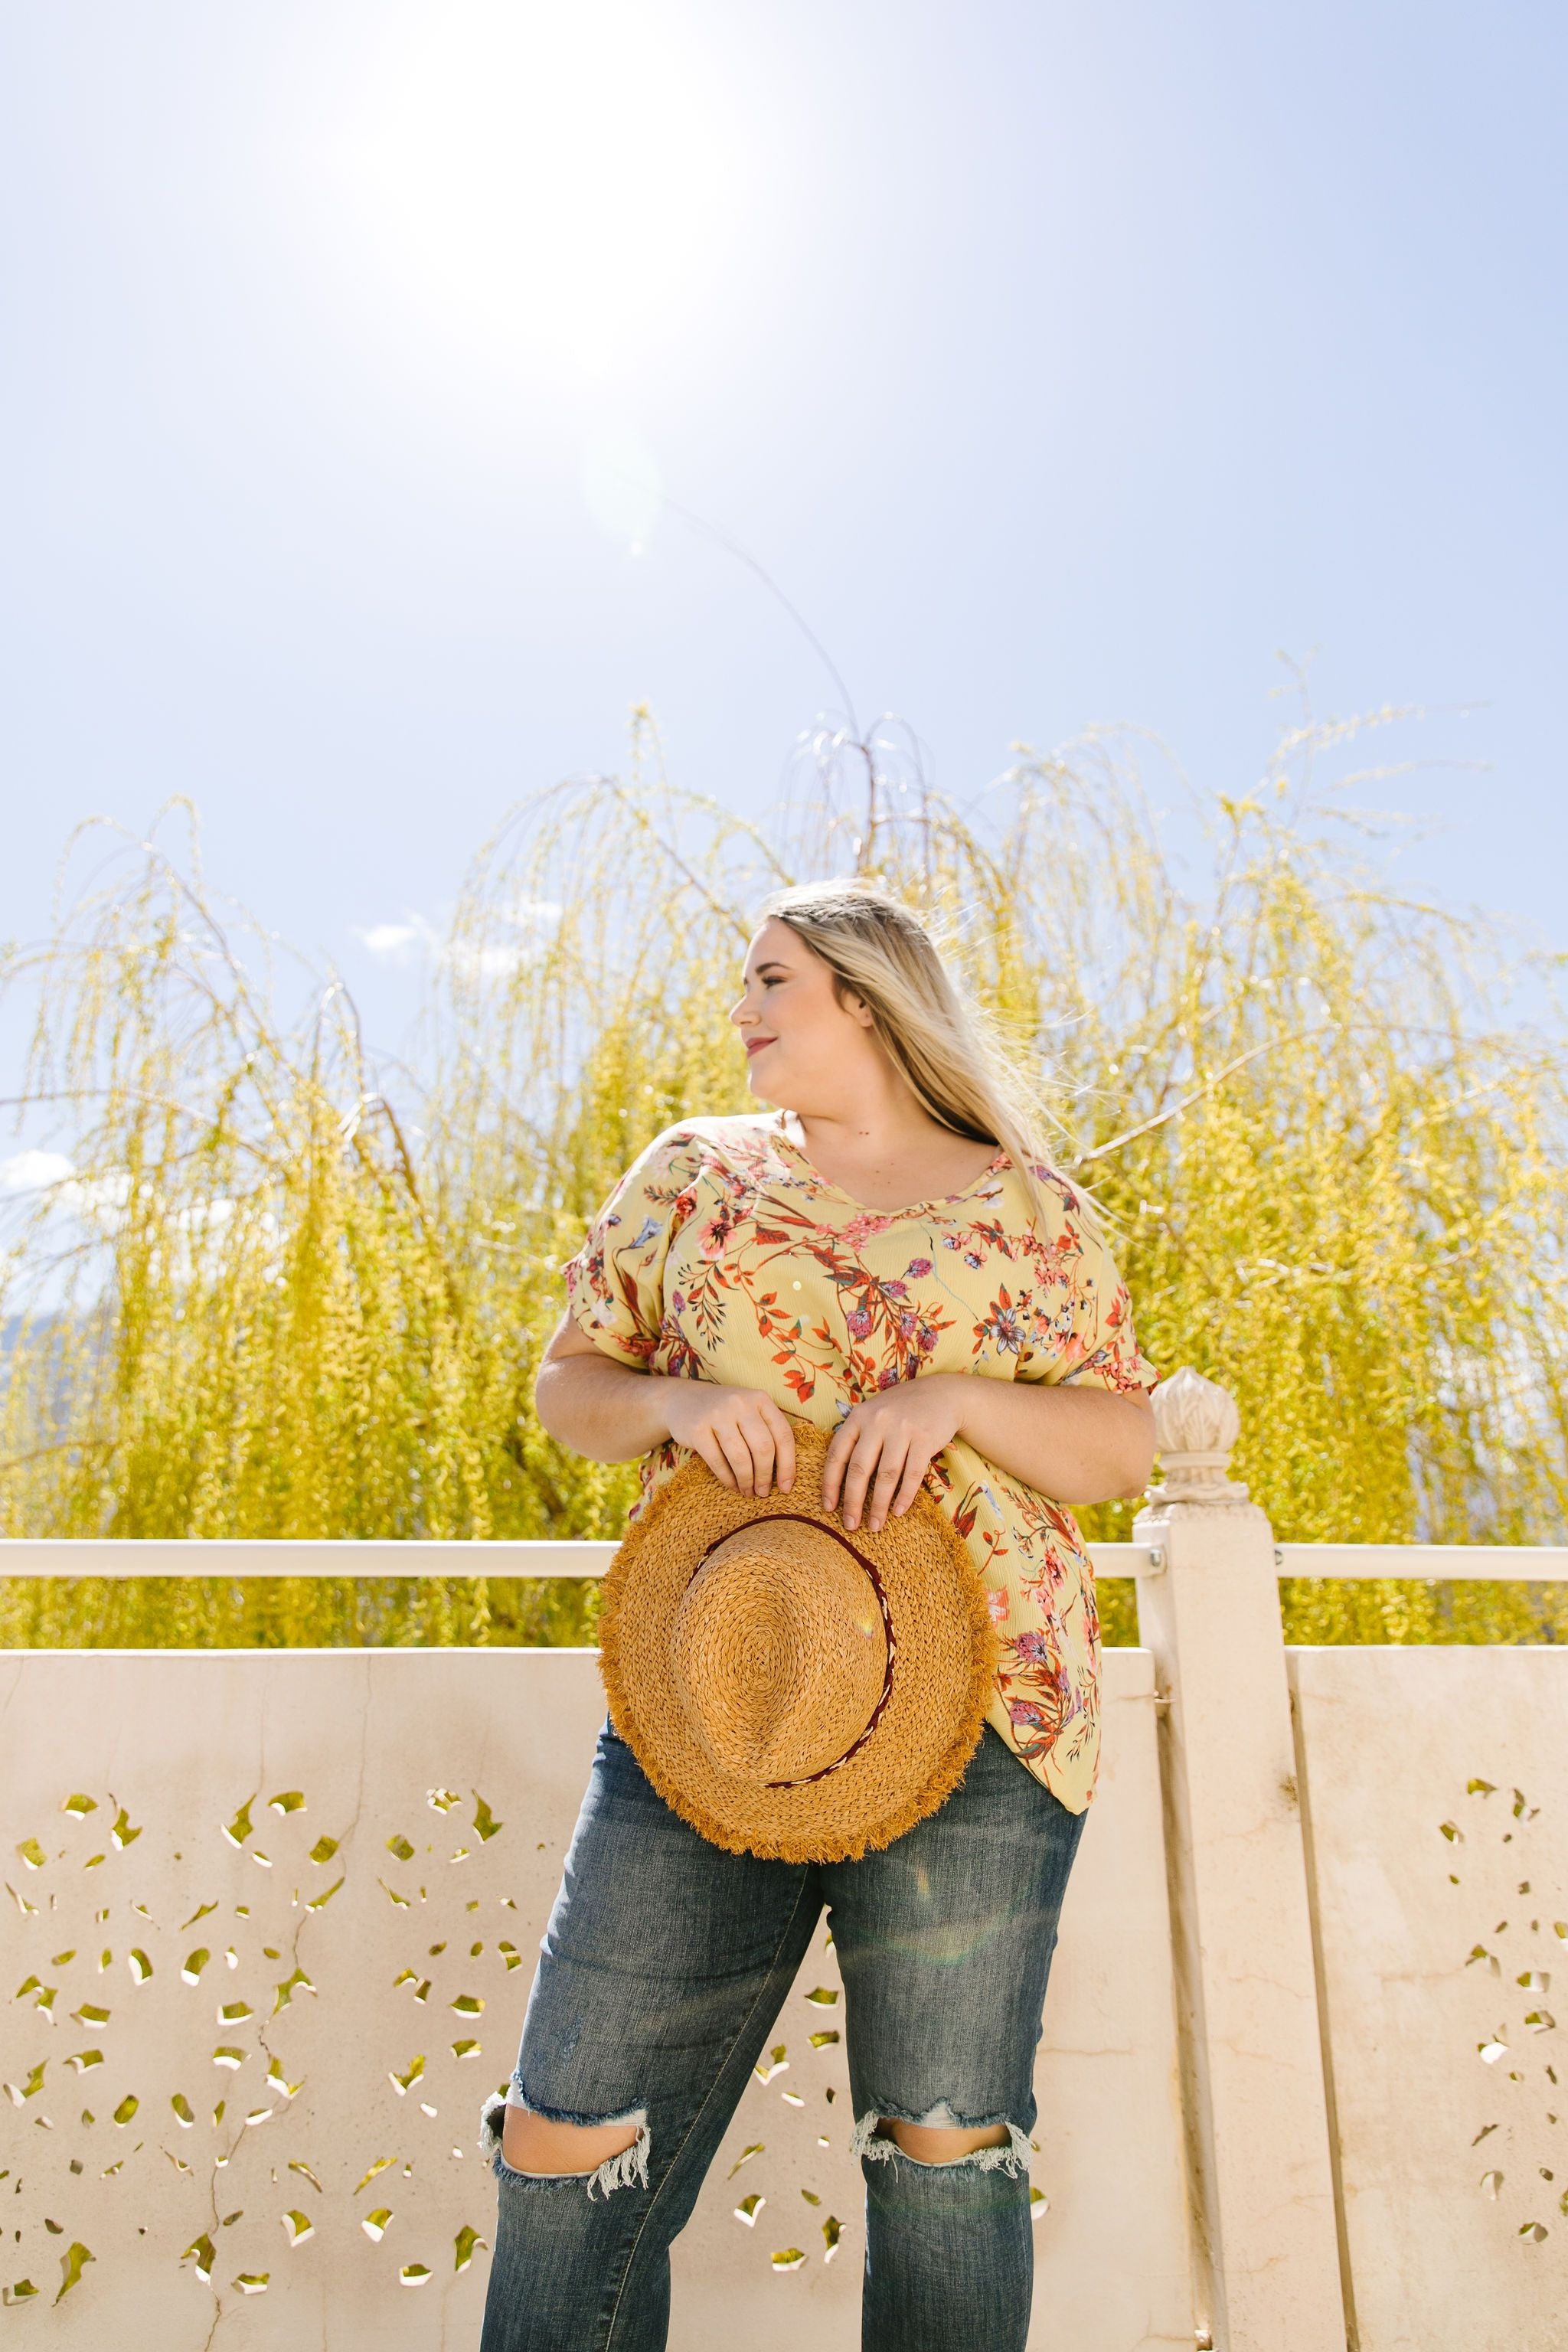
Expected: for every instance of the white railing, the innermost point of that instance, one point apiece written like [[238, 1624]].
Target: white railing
[[1440, 1563], [1288, 2091], [193, 1556], [139, 1555], [175, 1556]]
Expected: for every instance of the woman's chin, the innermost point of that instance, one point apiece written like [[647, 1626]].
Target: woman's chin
[[768, 1097]]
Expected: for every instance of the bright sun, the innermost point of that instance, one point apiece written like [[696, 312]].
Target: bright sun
[[553, 181]]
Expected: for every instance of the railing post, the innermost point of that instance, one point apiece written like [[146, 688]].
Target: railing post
[[1257, 2123]]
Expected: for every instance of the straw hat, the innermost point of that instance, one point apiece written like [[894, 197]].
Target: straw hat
[[790, 1690]]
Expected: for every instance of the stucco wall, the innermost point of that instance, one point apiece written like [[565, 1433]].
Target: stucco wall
[[375, 1992], [1435, 1785]]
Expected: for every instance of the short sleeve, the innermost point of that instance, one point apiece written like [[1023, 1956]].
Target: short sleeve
[[614, 1285], [1097, 1347]]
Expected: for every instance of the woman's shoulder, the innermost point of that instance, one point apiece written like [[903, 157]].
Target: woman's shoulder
[[735, 1130], [1066, 1209], [741, 1142]]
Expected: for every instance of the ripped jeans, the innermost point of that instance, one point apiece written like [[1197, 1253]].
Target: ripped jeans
[[664, 1966]]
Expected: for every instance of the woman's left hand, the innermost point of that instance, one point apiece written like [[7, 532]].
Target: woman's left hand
[[886, 1445]]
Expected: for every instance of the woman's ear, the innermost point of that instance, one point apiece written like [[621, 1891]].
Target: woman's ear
[[855, 1006]]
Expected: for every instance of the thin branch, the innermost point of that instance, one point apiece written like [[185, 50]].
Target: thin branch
[[1162, 1118]]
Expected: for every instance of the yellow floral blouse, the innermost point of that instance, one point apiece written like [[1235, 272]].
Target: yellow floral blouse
[[723, 1255]]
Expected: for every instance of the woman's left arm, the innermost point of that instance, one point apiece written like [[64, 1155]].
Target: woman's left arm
[[1075, 1444]]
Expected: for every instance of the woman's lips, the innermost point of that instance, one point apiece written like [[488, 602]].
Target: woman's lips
[[755, 1044]]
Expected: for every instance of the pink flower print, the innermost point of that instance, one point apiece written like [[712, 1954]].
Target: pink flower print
[[862, 1229], [998, 1605], [713, 1236], [859, 1321], [925, 1339], [888, 1377], [918, 1266]]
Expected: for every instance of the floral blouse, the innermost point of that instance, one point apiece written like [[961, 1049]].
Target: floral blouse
[[723, 1255]]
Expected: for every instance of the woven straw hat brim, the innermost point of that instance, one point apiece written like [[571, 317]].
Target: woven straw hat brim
[[929, 1729]]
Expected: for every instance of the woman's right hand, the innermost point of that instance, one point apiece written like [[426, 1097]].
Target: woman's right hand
[[740, 1434]]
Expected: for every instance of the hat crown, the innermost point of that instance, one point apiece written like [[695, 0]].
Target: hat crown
[[779, 1651], [788, 1692]]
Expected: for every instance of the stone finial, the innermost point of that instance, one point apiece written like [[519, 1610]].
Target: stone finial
[[1196, 1424]]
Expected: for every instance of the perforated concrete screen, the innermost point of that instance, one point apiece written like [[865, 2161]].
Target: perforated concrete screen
[[270, 1927], [1437, 1789]]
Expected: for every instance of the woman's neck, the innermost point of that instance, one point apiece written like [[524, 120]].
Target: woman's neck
[[890, 1161]]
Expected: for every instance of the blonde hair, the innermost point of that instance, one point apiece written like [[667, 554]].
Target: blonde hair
[[935, 1037]]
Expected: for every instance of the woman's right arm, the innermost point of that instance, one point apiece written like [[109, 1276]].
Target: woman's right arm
[[612, 1412]]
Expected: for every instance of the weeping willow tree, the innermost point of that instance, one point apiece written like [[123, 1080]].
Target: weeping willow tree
[[268, 1285]]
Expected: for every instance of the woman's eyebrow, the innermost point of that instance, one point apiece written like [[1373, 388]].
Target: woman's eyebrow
[[769, 964]]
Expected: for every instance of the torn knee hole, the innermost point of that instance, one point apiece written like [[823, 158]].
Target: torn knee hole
[[928, 2144], [939, 2140], [604, 2153]]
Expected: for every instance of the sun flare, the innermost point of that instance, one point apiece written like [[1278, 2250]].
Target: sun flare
[[554, 183]]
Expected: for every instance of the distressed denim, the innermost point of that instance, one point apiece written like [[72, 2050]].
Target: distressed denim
[[663, 1969]]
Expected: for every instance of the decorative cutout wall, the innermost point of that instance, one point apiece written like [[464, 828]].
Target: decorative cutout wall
[[269, 1924], [197, 1986], [1436, 1794]]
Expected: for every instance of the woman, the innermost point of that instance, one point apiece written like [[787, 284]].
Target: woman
[[888, 1256]]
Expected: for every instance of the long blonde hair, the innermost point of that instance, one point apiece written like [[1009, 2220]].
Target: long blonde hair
[[935, 1036]]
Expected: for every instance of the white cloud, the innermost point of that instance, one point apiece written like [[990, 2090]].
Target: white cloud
[[534, 919], [533, 914], [97, 1199], [487, 963], [33, 1172], [392, 942], [483, 959]]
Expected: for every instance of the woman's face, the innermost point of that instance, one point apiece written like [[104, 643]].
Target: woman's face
[[804, 1046]]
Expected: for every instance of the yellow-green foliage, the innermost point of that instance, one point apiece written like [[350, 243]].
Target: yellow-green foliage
[[290, 1292]]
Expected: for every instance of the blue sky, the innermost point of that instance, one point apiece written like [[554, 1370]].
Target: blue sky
[[1061, 364]]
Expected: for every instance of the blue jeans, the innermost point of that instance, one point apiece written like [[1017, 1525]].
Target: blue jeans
[[664, 1966]]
